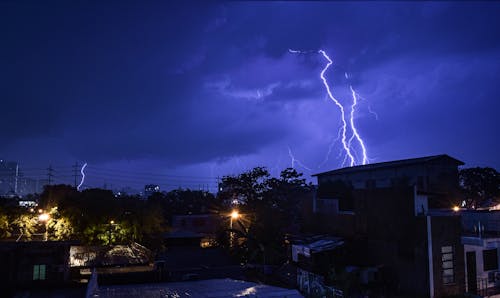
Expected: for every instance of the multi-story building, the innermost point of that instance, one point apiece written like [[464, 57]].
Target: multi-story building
[[8, 177], [386, 212], [481, 240]]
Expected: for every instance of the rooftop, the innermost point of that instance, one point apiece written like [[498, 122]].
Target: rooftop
[[394, 163], [203, 288]]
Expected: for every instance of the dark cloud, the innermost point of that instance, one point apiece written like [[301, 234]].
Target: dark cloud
[[176, 86]]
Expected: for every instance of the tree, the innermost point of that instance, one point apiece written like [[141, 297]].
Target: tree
[[479, 185], [269, 207], [59, 227], [4, 225]]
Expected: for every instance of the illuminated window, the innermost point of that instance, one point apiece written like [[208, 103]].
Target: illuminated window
[[39, 272], [447, 264]]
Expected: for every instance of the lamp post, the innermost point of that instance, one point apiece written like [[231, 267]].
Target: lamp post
[[44, 217], [233, 216], [111, 223]]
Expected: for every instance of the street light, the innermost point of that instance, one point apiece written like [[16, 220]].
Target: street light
[[111, 223], [233, 216], [44, 217]]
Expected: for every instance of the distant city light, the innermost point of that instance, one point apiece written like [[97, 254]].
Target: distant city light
[[456, 208]]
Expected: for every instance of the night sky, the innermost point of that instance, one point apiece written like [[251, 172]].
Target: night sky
[[180, 94]]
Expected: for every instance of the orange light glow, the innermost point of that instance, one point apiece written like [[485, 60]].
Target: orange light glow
[[235, 214]]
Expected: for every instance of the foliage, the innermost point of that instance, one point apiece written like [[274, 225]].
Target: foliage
[[96, 216], [58, 226], [4, 225], [270, 208], [479, 185], [25, 224]]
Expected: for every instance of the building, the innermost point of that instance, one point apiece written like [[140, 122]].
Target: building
[[436, 176], [26, 186], [387, 214], [34, 263], [481, 240], [8, 177]]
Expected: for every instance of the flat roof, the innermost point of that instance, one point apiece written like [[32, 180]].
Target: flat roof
[[394, 163], [213, 288]]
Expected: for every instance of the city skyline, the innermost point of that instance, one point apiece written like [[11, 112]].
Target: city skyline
[[186, 93]]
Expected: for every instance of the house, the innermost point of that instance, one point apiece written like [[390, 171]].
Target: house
[[191, 251], [481, 240], [34, 263], [388, 215], [193, 229]]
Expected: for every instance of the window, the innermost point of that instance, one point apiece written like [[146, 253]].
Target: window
[[447, 264], [38, 272], [490, 259]]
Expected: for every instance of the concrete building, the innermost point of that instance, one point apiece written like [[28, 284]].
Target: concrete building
[[481, 240], [34, 263], [387, 214], [8, 177]]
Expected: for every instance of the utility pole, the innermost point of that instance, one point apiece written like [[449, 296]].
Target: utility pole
[[75, 171], [17, 177], [49, 174]]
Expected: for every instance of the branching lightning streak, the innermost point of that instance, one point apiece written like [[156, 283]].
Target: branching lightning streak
[[296, 161], [330, 147], [373, 112], [347, 149], [83, 176]]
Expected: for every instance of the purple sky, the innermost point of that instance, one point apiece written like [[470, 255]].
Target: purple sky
[[178, 95]]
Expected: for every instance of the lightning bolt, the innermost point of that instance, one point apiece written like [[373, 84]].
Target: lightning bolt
[[347, 149], [351, 155], [330, 147], [83, 176], [354, 129], [373, 112], [296, 161]]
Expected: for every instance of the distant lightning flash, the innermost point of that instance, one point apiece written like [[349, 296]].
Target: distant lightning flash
[[83, 176], [373, 112], [330, 147], [296, 161], [351, 155]]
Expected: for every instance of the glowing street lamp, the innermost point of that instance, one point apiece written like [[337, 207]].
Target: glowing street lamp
[[456, 208], [110, 232], [235, 215], [44, 217]]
